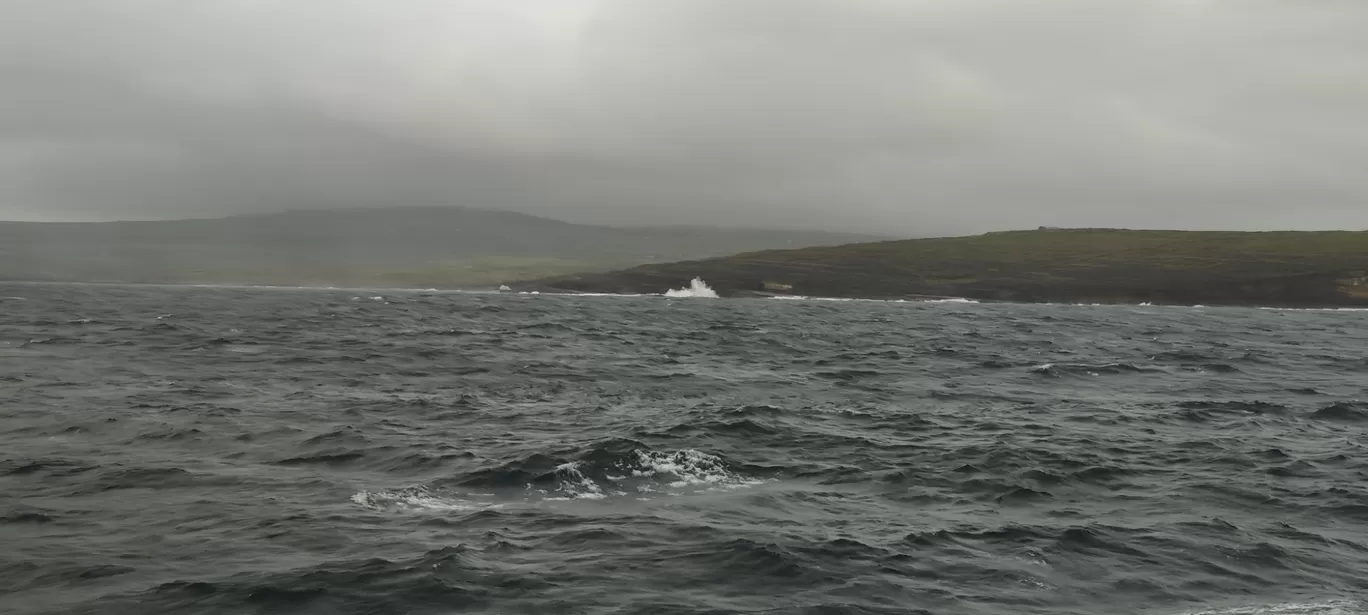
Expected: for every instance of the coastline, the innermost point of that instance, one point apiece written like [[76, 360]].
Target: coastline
[[537, 289]]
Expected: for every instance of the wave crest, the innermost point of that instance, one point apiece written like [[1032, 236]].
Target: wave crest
[[414, 498], [645, 471]]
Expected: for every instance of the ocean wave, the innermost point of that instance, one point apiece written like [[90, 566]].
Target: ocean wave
[[1351, 412], [322, 459], [1235, 406], [415, 498], [645, 471], [27, 517], [1339, 309], [612, 468], [1057, 370], [864, 300], [778, 471], [449, 579], [1328, 607], [618, 468], [52, 468]]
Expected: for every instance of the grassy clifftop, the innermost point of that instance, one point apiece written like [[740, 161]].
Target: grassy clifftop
[[1067, 265]]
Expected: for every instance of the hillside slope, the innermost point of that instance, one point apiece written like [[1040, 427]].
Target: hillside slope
[[440, 247], [1084, 265]]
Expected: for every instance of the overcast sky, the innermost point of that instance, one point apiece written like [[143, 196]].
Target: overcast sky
[[901, 116]]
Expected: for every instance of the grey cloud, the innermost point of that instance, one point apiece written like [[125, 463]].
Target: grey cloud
[[909, 116]]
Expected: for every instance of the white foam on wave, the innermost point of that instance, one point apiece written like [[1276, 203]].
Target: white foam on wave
[[414, 499], [650, 472], [689, 468], [575, 485], [1329, 607], [639, 472], [697, 289]]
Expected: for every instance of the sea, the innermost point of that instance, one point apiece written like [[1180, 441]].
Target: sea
[[214, 450]]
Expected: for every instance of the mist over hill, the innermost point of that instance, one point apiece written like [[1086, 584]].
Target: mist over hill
[[437, 247]]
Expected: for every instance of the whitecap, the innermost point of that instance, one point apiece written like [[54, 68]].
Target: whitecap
[[575, 485], [647, 472], [688, 468], [413, 499]]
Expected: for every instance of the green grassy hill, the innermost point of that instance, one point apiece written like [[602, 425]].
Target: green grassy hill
[[1068, 265], [396, 247]]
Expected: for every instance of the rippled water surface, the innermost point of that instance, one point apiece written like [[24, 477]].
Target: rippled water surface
[[194, 450]]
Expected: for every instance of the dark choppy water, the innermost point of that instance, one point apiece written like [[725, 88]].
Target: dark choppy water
[[252, 451]]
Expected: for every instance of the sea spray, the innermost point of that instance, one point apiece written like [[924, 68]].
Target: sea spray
[[697, 288]]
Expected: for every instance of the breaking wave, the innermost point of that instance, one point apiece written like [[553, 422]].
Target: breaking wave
[[643, 471], [697, 289], [414, 498], [614, 469]]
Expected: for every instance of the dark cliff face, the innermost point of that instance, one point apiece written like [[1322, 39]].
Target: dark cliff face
[[1271, 269]]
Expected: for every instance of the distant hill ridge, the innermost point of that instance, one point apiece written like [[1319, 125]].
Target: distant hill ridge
[[402, 246], [1291, 268]]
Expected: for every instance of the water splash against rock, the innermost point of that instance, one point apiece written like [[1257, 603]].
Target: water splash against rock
[[697, 289]]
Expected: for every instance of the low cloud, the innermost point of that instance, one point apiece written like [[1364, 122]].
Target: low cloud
[[903, 116]]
